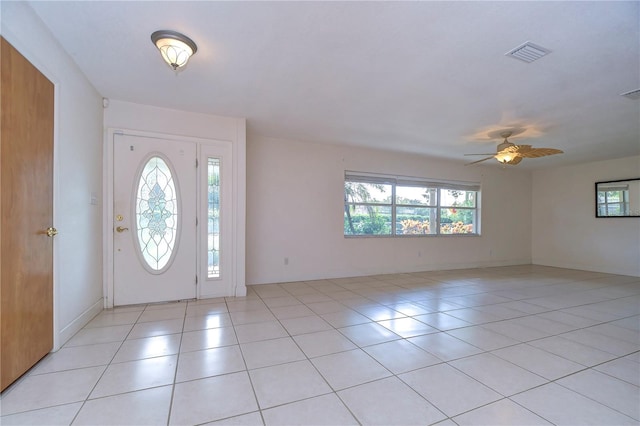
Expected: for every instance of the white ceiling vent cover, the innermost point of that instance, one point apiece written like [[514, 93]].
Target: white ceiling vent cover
[[634, 94], [528, 52]]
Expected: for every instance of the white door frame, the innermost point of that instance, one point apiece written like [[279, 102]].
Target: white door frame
[[238, 287]]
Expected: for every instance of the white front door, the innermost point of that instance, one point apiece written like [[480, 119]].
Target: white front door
[[155, 229]]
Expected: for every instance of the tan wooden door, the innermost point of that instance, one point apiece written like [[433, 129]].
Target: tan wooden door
[[26, 204]]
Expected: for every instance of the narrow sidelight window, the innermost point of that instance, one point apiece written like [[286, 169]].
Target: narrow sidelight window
[[213, 220]]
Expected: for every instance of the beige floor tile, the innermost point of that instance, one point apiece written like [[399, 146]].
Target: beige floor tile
[[193, 323], [209, 362], [444, 346], [266, 353], [320, 410], [148, 347], [449, 390], [305, 325], [389, 402], [323, 343], [60, 415], [401, 356], [156, 328], [572, 351], [92, 336], [562, 406], [136, 375], [623, 369], [74, 357], [408, 327], [345, 318], [482, 338], [232, 393], [260, 331], [48, 390], [500, 375], [368, 334], [500, 413], [145, 407], [607, 390], [442, 321], [251, 419], [346, 369], [282, 384], [207, 339], [109, 318], [540, 362]]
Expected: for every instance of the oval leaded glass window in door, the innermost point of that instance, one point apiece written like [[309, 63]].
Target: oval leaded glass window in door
[[156, 214]]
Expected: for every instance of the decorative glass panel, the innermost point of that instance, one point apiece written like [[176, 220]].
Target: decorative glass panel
[[213, 222], [156, 213]]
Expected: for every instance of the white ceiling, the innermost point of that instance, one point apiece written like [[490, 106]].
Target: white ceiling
[[419, 77]]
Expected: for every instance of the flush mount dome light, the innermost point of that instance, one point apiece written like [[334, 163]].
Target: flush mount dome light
[[176, 48]]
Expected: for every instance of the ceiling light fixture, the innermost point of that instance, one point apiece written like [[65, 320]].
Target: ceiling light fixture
[[176, 48]]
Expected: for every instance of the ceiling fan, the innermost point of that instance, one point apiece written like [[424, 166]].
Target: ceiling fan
[[510, 153]]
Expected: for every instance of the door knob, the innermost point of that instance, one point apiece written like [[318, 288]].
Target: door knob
[[51, 231], [121, 229]]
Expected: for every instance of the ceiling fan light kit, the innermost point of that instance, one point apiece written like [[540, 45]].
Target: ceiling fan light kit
[[512, 154]]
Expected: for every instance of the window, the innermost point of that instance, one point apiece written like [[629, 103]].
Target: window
[[613, 201], [213, 217], [399, 206]]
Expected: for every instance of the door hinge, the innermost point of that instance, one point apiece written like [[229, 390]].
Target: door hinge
[[196, 162], [196, 280]]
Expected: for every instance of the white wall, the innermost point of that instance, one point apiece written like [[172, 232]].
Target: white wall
[[77, 171], [295, 206], [131, 116], [566, 232]]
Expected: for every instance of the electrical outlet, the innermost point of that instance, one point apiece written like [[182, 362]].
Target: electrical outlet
[[286, 261]]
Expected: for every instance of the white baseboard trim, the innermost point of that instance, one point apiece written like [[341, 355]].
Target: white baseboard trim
[[330, 274], [587, 267], [76, 325]]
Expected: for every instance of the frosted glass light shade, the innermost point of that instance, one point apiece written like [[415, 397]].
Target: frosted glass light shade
[[504, 157], [176, 48]]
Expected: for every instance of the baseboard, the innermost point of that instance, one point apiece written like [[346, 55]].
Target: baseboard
[[587, 267], [331, 274], [76, 325]]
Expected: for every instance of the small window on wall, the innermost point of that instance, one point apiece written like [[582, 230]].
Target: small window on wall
[[378, 205], [613, 201]]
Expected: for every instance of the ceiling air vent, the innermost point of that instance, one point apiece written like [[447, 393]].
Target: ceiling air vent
[[634, 94], [528, 52]]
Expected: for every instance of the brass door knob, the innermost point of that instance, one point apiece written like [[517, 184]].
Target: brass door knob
[[51, 231], [121, 229]]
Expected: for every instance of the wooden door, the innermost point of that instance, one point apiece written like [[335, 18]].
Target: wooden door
[[26, 204]]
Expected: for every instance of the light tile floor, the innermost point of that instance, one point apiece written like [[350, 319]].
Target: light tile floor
[[513, 345]]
